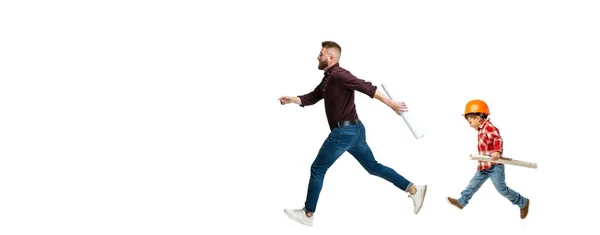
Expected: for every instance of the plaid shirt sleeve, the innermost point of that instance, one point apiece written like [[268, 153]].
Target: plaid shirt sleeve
[[493, 136], [490, 141]]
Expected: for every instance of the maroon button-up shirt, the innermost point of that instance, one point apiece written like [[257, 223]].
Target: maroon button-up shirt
[[337, 89]]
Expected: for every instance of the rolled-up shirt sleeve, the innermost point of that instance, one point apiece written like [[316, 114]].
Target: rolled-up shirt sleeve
[[349, 81], [312, 97]]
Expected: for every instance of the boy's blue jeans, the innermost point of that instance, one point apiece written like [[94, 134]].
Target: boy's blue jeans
[[496, 174], [352, 139]]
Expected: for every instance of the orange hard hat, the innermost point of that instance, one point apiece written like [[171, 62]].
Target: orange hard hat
[[477, 106]]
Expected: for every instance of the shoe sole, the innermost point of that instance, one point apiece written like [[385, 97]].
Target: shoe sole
[[292, 218], [422, 202]]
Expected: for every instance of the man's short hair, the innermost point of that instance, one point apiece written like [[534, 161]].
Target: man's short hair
[[331, 44]]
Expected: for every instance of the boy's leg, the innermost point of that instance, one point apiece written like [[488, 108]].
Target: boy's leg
[[478, 179], [497, 177]]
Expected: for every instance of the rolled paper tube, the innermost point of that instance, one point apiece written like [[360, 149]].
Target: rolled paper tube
[[408, 119], [503, 161]]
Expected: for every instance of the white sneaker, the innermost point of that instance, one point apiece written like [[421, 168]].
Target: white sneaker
[[418, 197], [299, 215]]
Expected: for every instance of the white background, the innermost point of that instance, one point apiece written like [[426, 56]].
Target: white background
[[161, 117]]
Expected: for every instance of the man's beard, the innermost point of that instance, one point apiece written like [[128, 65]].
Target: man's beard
[[322, 64]]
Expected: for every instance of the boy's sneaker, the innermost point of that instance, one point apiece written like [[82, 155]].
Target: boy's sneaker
[[299, 215], [418, 197]]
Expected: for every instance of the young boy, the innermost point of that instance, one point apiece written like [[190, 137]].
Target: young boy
[[489, 143]]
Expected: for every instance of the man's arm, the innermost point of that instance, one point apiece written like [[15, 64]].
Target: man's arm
[[398, 107], [290, 99], [383, 98], [311, 98], [308, 99], [350, 81]]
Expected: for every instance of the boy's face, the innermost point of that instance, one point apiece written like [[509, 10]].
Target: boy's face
[[474, 122]]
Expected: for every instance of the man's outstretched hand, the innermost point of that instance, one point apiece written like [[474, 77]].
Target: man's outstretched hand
[[289, 99]]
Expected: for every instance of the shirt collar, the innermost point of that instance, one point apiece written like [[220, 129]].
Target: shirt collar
[[330, 69], [484, 123]]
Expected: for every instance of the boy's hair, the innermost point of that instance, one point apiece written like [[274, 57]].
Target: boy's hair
[[473, 115]]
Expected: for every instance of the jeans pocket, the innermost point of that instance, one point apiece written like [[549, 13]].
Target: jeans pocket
[[346, 136]]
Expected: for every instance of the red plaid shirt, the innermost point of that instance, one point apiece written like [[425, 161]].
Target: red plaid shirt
[[489, 141]]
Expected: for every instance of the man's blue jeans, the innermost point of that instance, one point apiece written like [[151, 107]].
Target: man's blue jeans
[[496, 174], [352, 139]]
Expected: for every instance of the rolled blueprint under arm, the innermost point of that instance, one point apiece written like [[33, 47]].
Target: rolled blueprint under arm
[[504, 161]]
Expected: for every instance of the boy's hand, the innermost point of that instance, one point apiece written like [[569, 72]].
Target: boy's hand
[[496, 156]]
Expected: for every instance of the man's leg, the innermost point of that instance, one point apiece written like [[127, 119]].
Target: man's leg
[[333, 147], [498, 178], [363, 154], [330, 151], [478, 179]]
